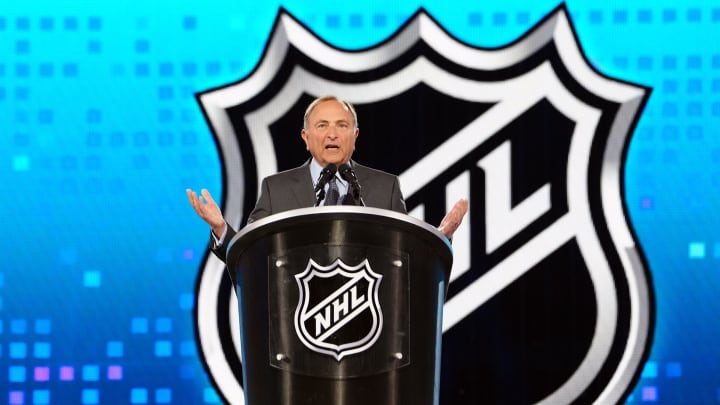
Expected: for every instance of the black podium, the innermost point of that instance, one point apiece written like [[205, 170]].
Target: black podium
[[340, 306]]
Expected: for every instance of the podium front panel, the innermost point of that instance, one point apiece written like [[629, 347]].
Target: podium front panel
[[345, 306], [340, 305]]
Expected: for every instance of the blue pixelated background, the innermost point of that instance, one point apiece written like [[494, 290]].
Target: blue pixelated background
[[100, 134]]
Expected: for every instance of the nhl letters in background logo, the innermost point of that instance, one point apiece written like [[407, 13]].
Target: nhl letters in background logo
[[550, 300]]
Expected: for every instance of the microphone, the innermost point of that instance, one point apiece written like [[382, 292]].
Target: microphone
[[325, 175], [347, 173]]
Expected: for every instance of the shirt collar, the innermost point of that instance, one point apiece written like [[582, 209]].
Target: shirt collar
[[315, 170]]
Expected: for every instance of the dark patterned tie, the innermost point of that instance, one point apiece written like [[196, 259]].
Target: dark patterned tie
[[333, 194]]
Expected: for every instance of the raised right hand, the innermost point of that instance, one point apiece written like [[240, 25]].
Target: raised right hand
[[208, 210]]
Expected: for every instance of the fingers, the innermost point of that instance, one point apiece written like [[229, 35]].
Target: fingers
[[206, 195], [454, 218], [197, 202], [192, 197]]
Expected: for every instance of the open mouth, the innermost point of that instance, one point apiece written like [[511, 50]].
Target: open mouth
[[329, 147]]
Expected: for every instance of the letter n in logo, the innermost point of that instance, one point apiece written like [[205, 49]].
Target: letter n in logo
[[338, 310]]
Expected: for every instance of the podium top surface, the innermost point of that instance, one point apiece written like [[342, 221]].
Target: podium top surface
[[339, 213]]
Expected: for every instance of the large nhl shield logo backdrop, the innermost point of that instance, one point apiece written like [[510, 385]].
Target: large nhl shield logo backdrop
[[550, 299]]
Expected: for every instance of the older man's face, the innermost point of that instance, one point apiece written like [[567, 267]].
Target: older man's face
[[331, 133]]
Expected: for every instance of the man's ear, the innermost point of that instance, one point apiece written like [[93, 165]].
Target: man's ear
[[304, 136]]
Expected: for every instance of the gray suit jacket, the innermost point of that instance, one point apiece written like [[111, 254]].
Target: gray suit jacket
[[293, 189]]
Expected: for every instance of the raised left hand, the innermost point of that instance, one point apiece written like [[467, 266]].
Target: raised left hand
[[453, 218]]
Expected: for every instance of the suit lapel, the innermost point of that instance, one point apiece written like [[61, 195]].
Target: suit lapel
[[302, 186], [362, 176]]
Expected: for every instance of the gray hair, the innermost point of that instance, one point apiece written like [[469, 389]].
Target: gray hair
[[319, 100]]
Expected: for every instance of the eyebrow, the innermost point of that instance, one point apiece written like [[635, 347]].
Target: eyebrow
[[336, 121]]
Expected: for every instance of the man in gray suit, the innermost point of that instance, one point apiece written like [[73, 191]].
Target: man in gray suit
[[329, 130]]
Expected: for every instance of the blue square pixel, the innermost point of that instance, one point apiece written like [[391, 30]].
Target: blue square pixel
[[22, 24], [187, 348], [22, 46], [115, 349], [42, 350], [694, 109], [18, 326], [90, 396], [163, 348], [523, 18], [142, 46], [645, 63], [189, 23], [41, 397], [356, 20], [669, 15], [93, 116], [45, 116], [210, 396], [670, 86], [17, 374], [650, 370], [46, 69], [138, 396], [91, 373], [187, 301], [620, 16], [70, 24], [499, 19], [716, 86], [166, 69], [18, 350], [47, 23], [163, 396], [94, 46], [694, 15], [696, 250], [94, 23], [379, 20], [70, 70], [21, 163], [694, 86], [694, 62], [673, 370], [212, 69], [332, 21], [644, 16], [92, 279], [596, 16], [189, 69], [22, 70], [139, 325]]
